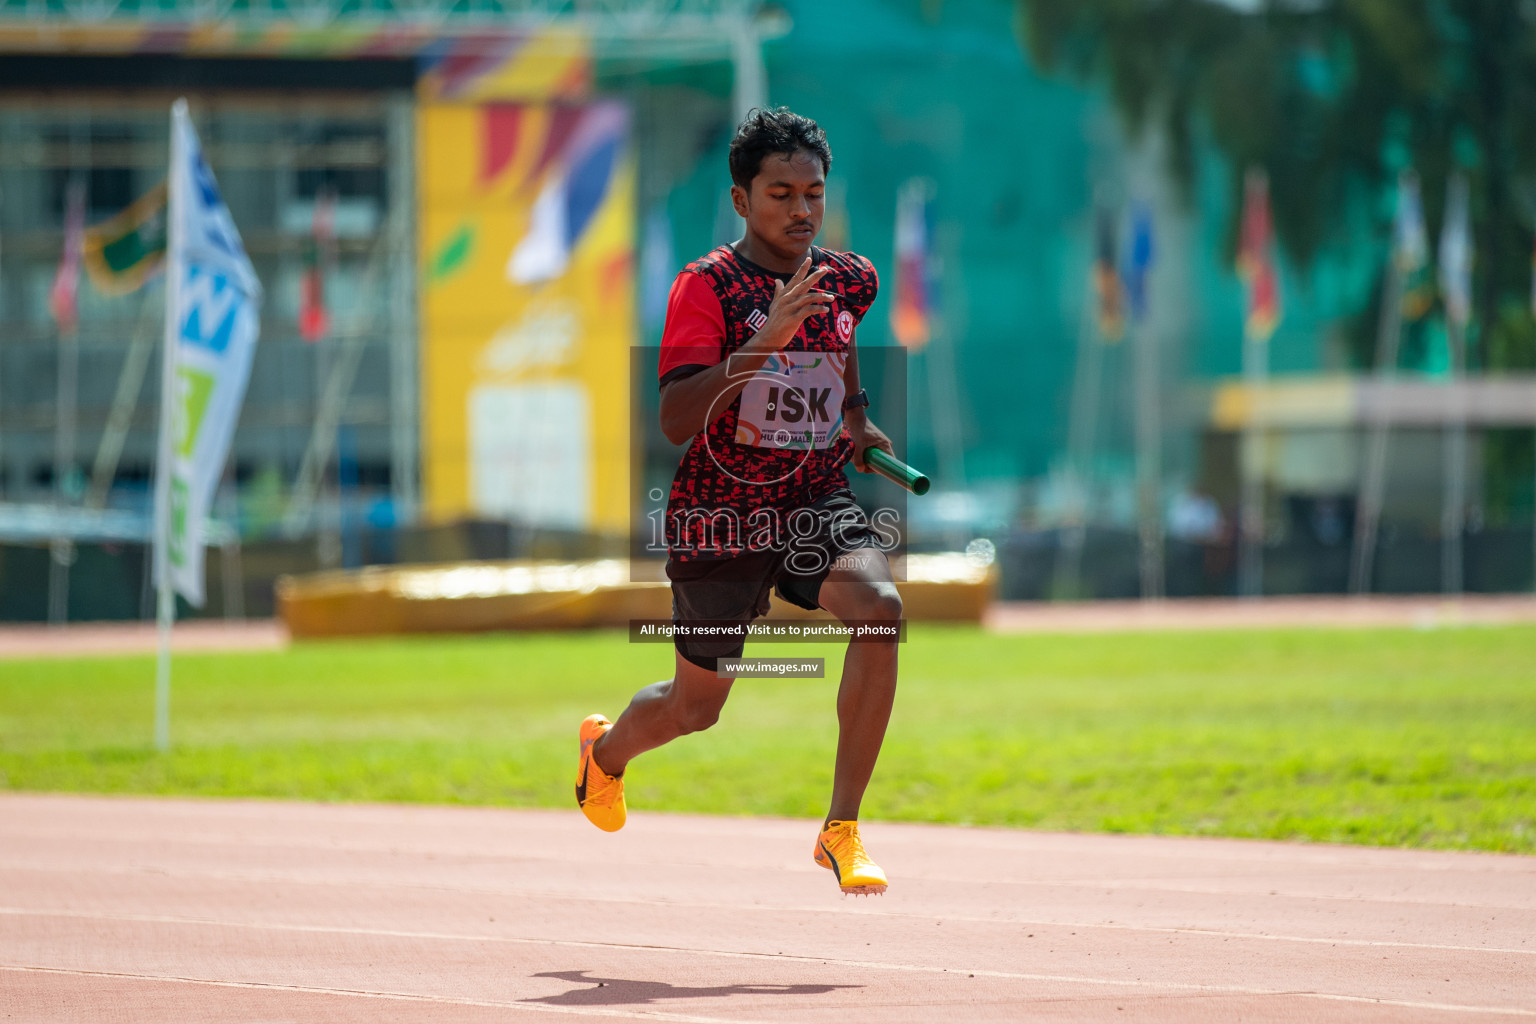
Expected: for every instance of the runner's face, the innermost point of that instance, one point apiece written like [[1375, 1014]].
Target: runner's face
[[784, 207]]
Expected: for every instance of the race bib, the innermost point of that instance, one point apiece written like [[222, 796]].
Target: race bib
[[795, 401]]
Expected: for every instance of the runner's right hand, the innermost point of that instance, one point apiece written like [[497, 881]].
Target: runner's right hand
[[792, 304]]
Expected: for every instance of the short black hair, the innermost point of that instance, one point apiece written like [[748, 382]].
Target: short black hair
[[764, 132]]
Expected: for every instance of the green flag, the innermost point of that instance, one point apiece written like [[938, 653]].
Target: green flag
[[122, 253]]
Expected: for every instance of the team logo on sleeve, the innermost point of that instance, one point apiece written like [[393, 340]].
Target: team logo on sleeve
[[845, 325]]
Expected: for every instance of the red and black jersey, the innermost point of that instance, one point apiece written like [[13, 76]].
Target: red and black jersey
[[717, 304]]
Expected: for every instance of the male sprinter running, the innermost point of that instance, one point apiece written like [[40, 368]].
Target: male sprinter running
[[759, 337]]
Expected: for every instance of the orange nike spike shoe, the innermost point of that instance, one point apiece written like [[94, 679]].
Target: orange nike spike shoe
[[599, 795]]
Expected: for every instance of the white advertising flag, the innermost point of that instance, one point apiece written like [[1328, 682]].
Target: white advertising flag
[[1410, 243], [1456, 252], [212, 303]]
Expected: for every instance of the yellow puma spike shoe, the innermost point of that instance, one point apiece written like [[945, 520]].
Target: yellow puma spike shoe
[[599, 795], [840, 849]]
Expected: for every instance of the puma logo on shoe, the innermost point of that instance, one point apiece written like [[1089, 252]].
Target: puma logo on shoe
[[836, 871]]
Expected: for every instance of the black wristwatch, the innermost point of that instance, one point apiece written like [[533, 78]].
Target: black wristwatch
[[858, 400]]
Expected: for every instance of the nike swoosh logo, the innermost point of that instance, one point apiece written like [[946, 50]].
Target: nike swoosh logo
[[581, 787]]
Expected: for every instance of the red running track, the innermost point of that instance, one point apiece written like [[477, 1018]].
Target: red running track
[[221, 911]]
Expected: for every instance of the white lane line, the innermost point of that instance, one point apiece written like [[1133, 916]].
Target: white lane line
[[1035, 923], [356, 993], [1202, 848], [1209, 890], [1214, 850], [874, 965], [269, 879], [1508, 1011], [1150, 885], [1367, 859], [1157, 886]]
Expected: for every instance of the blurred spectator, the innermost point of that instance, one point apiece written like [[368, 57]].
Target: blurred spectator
[[1195, 517]]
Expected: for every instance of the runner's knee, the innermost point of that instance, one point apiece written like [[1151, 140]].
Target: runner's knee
[[882, 602]]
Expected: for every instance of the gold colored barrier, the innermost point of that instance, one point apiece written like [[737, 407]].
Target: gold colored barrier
[[472, 597]]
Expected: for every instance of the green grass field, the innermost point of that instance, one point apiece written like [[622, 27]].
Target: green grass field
[[1390, 737]]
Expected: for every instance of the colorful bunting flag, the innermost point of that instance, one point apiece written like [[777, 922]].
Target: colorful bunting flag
[[1456, 252], [658, 268], [835, 232], [314, 318], [573, 190], [1140, 262], [1410, 247], [1106, 276], [1255, 262], [911, 313], [63, 297], [122, 253]]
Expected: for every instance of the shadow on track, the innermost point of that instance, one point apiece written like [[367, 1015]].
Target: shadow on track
[[625, 991]]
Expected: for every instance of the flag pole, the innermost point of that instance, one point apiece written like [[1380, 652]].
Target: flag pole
[[62, 549], [1453, 512], [1456, 285], [2, 393], [1066, 582], [1149, 469], [943, 385], [165, 614], [1082, 420], [1373, 488], [1147, 399], [1409, 255], [1251, 460], [1259, 321]]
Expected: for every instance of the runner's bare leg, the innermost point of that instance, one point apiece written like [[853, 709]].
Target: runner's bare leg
[[688, 702], [859, 589]]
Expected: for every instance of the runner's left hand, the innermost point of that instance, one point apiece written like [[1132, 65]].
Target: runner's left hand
[[866, 435]]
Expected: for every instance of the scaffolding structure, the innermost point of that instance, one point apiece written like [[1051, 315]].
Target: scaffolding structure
[[650, 18], [308, 412]]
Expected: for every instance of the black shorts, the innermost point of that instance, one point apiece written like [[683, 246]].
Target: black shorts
[[736, 589]]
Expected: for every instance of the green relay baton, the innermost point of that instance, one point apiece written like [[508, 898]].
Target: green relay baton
[[896, 471]]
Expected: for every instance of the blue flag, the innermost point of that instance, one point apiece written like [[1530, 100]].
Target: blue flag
[[1140, 260]]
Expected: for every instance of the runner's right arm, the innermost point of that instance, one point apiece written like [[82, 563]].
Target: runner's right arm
[[688, 404]]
